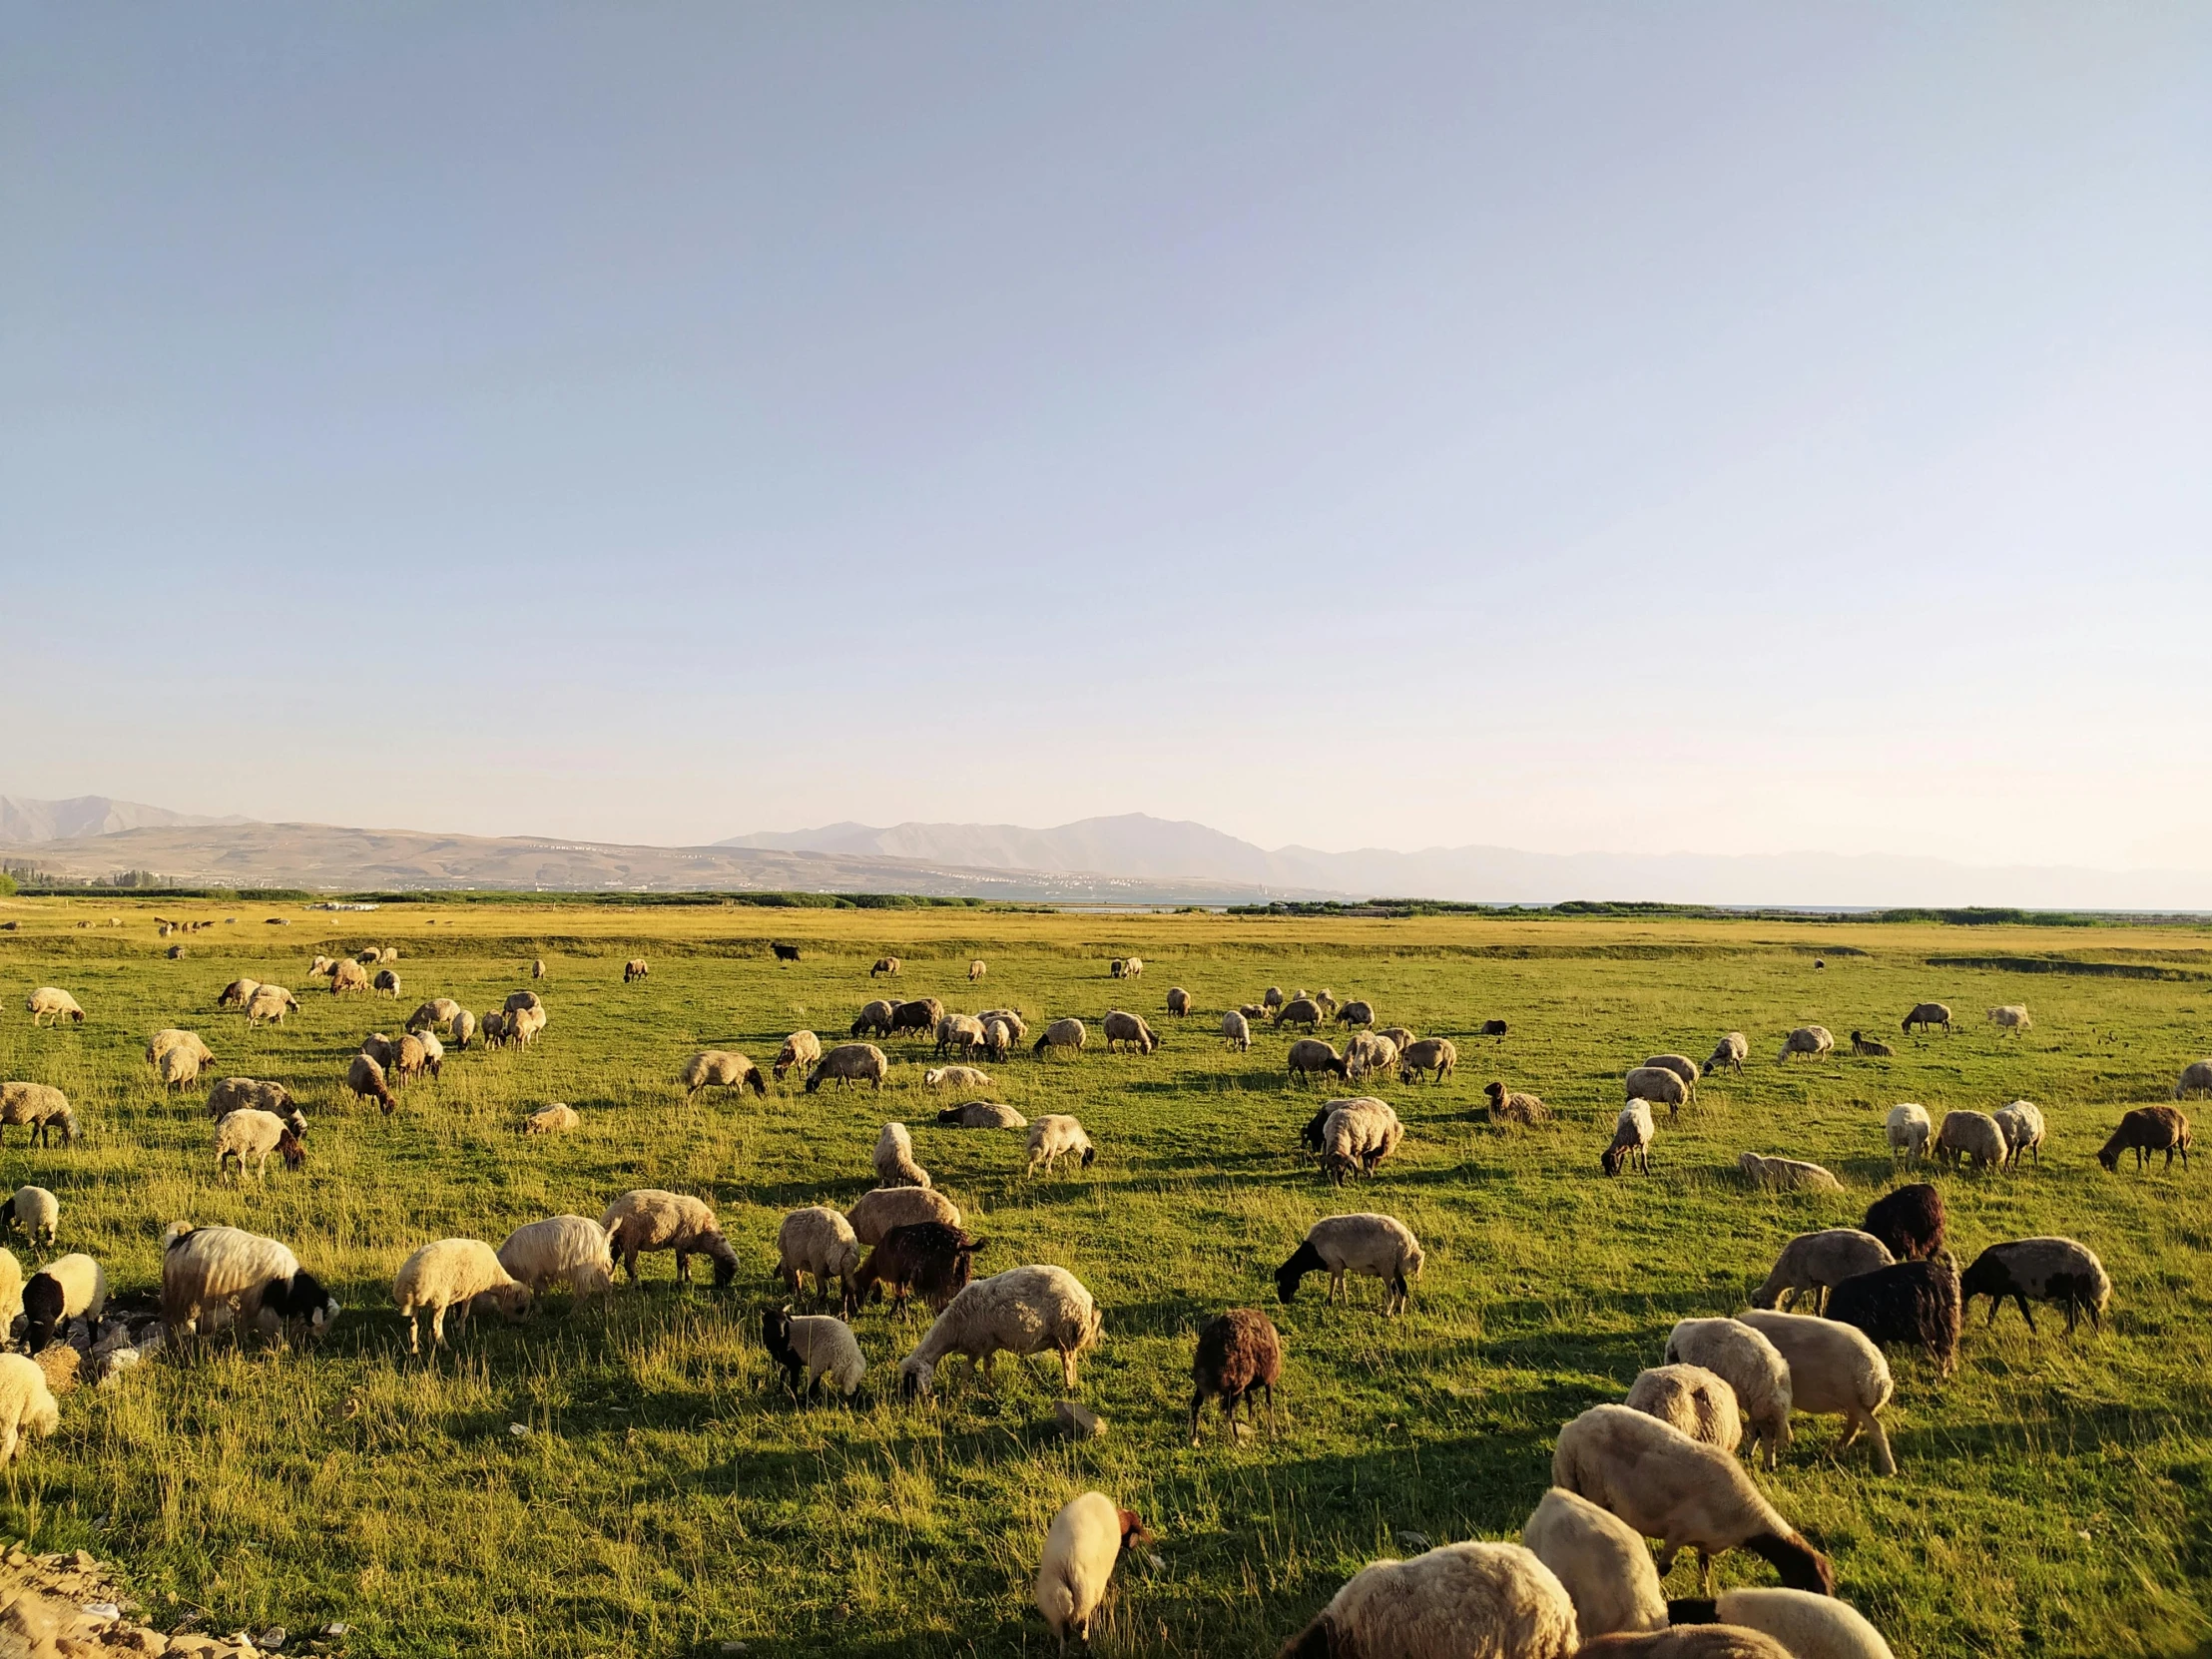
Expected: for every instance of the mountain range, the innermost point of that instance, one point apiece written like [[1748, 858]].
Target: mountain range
[[24, 823]]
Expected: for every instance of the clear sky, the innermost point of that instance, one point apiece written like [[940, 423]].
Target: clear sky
[[1717, 427]]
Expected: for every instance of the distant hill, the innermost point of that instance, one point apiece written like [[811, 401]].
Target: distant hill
[[25, 823]]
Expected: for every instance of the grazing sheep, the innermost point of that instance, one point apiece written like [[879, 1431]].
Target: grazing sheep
[[537, 969], [556, 1119], [1681, 1065], [524, 1001], [1907, 1302], [1909, 1131], [1744, 1359], [2039, 1269], [1063, 1034], [976, 969], [1631, 1144], [1513, 1106], [1974, 1136], [2012, 1017], [348, 976], [884, 965], [171, 1041], [1010, 1017], [1695, 1401], [1356, 1013], [1179, 1001], [49, 1006], [370, 957], [648, 1218], [1124, 1027], [1796, 1622], [818, 1241], [1834, 1368], [895, 1159], [256, 1134], [1381, 1247], [65, 1288], [1022, 1311], [1300, 1010], [463, 1028], [1368, 1051], [981, 1114], [634, 969], [1359, 1135], [1908, 1222], [270, 1004], [1493, 1029], [2196, 1078], [380, 1049], [851, 1063], [813, 1345], [439, 1010], [712, 1068], [1309, 1055], [962, 1031], [1863, 1044], [925, 1256], [1808, 1040], [1311, 1136], [1603, 1563], [39, 1107], [1081, 1547], [321, 967], [499, 1029], [179, 1068], [784, 952], [11, 1289], [1054, 1136], [1236, 1030], [1251, 1011], [1790, 1175], [1814, 1263], [1273, 998], [561, 1250], [955, 1077], [27, 1408], [237, 993], [1680, 1491], [1924, 1014], [1729, 1051], [802, 1049], [255, 1282], [1657, 1086], [875, 1212], [411, 1058], [452, 1274], [386, 983], [2146, 1131], [37, 1212], [998, 1040], [874, 1020], [1133, 968], [1240, 1356], [1459, 1601], [2022, 1124], [366, 1079], [1418, 1057]]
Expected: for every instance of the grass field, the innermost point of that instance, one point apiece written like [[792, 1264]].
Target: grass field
[[2051, 1498]]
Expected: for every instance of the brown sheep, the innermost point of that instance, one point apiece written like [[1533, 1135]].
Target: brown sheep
[[925, 1256], [1240, 1356], [2147, 1131]]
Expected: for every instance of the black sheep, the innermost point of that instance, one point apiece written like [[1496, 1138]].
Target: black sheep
[[43, 1302], [925, 1256], [1240, 1355], [1909, 1221], [785, 952], [1909, 1301], [1493, 1028]]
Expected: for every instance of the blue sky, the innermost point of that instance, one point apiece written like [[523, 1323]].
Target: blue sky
[[1733, 428]]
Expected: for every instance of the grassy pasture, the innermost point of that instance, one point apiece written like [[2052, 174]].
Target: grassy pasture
[[2052, 1495]]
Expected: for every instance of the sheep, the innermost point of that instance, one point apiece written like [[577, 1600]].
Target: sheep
[[256, 1134], [884, 965], [1681, 1065], [454, 1274], [1631, 1144], [26, 1408], [1907, 1302], [1123, 1027], [955, 1077], [386, 983], [270, 1003], [813, 1345], [500, 1029], [2012, 1017], [876, 1212], [981, 1114], [1022, 1311], [179, 1068], [962, 1031], [1235, 1031], [2040, 1269], [1513, 1106], [252, 1281], [1970, 1136], [801, 1051], [1251, 1011], [412, 1057], [784, 952], [237, 993], [1865, 1045], [2196, 1078], [349, 977], [1789, 1175], [634, 969], [65, 1288], [1808, 1040], [1695, 1401], [1009, 1017], [1657, 1086], [538, 967], [556, 1119], [320, 966], [1081, 1547], [1794, 1622], [40, 1108], [921, 1016], [1459, 1601], [925, 1256], [1834, 1368], [50, 1005], [1813, 1264], [1381, 1247], [36, 1211], [1908, 1130], [11, 1289], [1493, 1029], [998, 1040], [895, 1159], [519, 1001], [651, 1219], [1133, 968], [370, 957], [2146, 1130], [1400, 1035], [1749, 1363], [1729, 1051], [2022, 1127], [439, 1010], [1326, 1002], [976, 969], [874, 1020], [1311, 1136], [380, 1049], [1356, 1013], [1908, 1222], [1924, 1014], [1309, 1054], [712, 1068], [1417, 1059], [172, 1041], [1300, 1010], [851, 1063], [1603, 1563], [523, 1025], [561, 1250], [463, 1028], [1063, 1034], [1368, 1051], [1054, 1136], [818, 1241], [1273, 997], [1359, 1135], [366, 1079], [1240, 1356], [1680, 1491]]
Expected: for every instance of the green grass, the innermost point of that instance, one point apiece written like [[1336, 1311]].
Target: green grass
[[2051, 1496]]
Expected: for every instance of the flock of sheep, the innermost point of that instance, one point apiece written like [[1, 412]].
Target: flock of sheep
[[1661, 1465]]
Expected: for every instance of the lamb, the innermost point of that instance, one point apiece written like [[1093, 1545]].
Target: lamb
[[895, 1159], [875, 1212], [1356, 1013], [37, 1212], [818, 1241], [1974, 1136], [39, 1107], [981, 1114], [561, 1250], [651, 1219], [1924, 1014], [1309, 1054], [1908, 1222], [712, 1068], [1908, 1302], [634, 969], [801, 1051], [2012, 1017], [1863, 1044], [1459, 1601], [1300, 1010], [1729, 1051], [1066, 1034], [1604, 1565], [1081, 1547], [179, 1068], [439, 1010], [2039, 1269], [1009, 1017], [237, 993], [998, 1040], [1631, 1144], [1803, 1625], [1808, 1040], [1240, 1356], [1657, 1086], [50, 1005], [1235, 1031], [386, 983], [962, 1031], [1750, 1363], [348, 976], [1022, 1311], [412, 1057], [366, 1079], [851, 1063], [556, 1119], [463, 1028], [813, 1345], [1680, 1491], [1681, 1065], [884, 965], [320, 966], [1513, 1106], [1381, 1247], [874, 1020], [1694, 1399], [454, 1274], [256, 1134], [171, 1041], [1834, 1368], [2196, 1078], [254, 1281], [26, 1407], [1370, 1051], [270, 1004], [925, 1256], [67, 1286], [2022, 1126], [1790, 1175], [1427, 1054], [1122, 1028], [954, 1077], [1814, 1263], [1359, 1135], [976, 969], [2146, 1130], [1054, 1136], [1909, 1131]]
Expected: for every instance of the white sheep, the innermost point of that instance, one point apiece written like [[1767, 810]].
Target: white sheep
[[1122, 1026], [895, 1159], [1009, 1017], [1022, 1311], [1356, 1136], [1081, 1547], [1459, 1601], [1632, 1136], [2195, 1078], [1366, 1051], [2021, 1124], [237, 993], [65, 1288], [237, 1093], [1660, 1086], [170, 1038], [1729, 1051], [1695, 1401], [11, 1288], [450, 1274], [875, 1212], [849, 1063], [1908, 1130], [39, 1107], [981, 1114], [955, 1077], [2012, 1017], [1379, 1247], [556, 1119], [800, 1050], [1235, 1031], [253, 1135], [1834, 1368], [269, 1004], [962, 1031], [26, 1407], [1063, 1033], [1970, 1136], [1787, 1174], [439, 1010], [1751, 1365], [1814, 1262], [1603, 1563], [1809, 1626], [1808, 1040], [712, 1068], [240, 1276], [561, 1250], [37, 1212], [818, 1240], [1054, 1136], [463, 1028], [649, 1218], [48, 1005]]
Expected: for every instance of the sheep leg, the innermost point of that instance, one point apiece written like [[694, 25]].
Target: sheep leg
[[7, 1442], [437, 1327], [1705, 1569], [1883, 1461], [414, 1332], [1667, 1553], [2021, 1299], [1067, 1368], [1198, 1399]]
